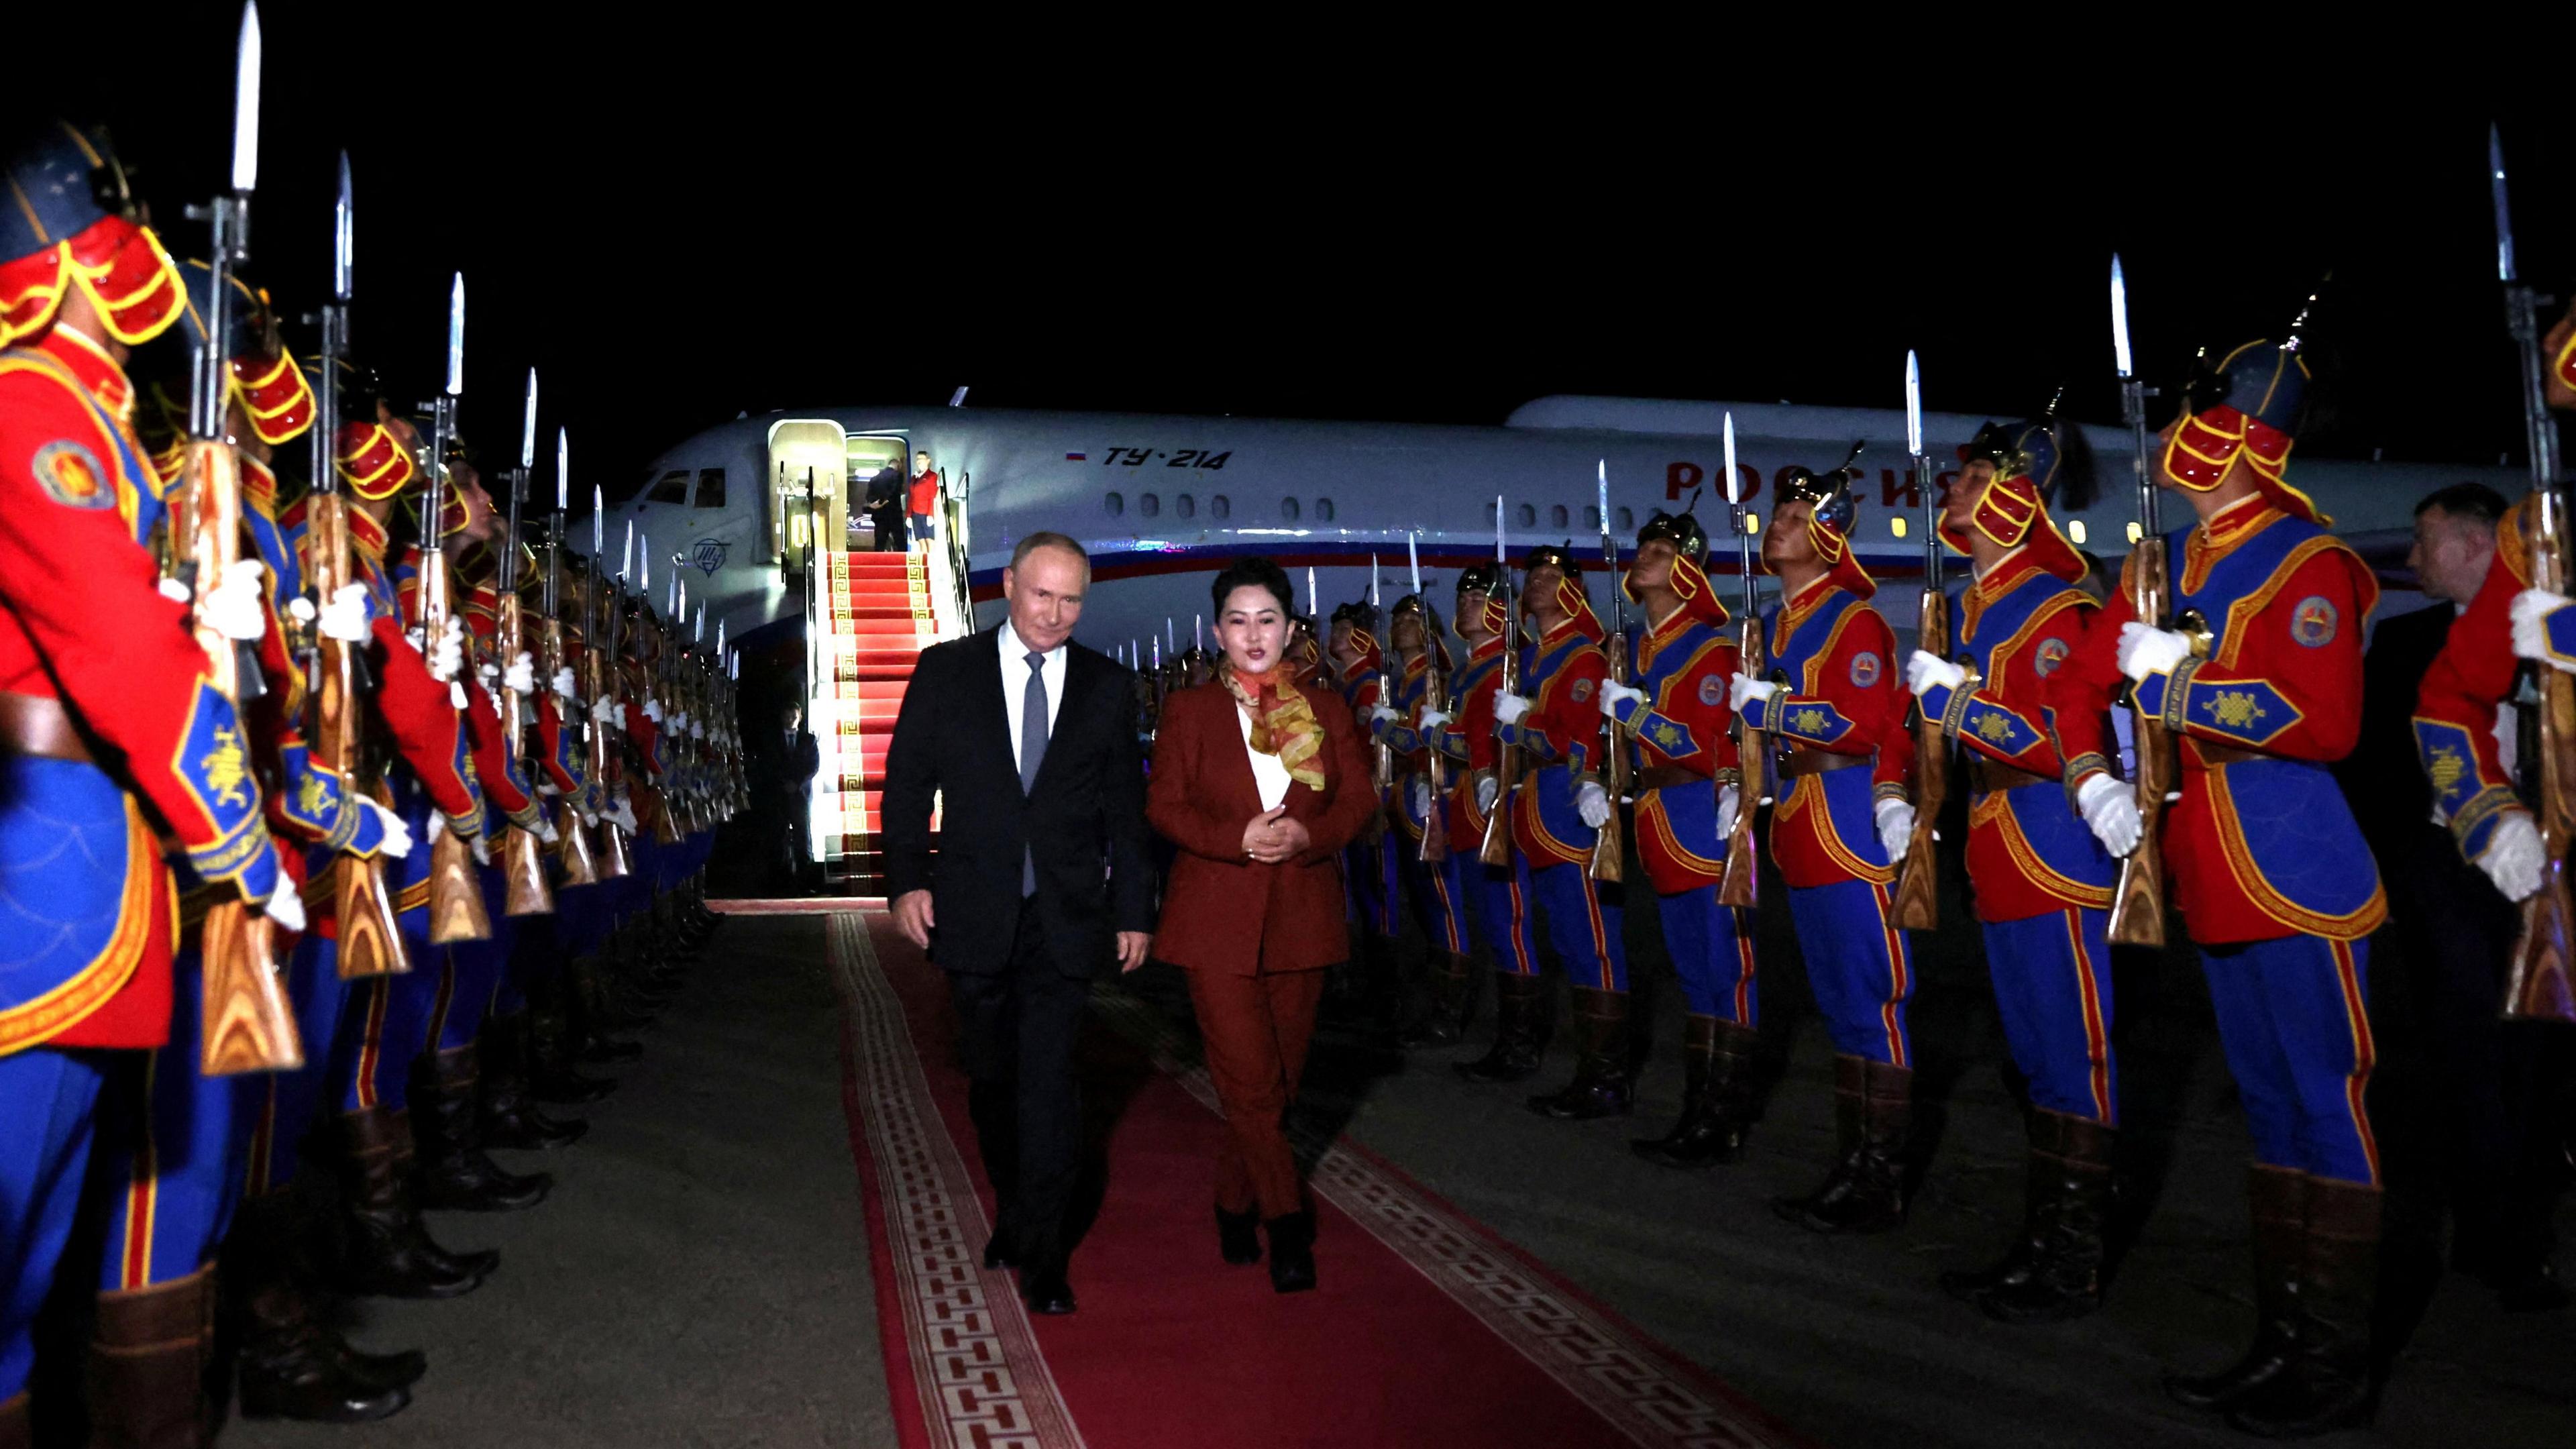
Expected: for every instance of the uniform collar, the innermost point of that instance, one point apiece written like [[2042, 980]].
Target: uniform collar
[[1808, 598], [2237, 521], [97, 372], [1491, 648], [1571, 628], [366, 534]]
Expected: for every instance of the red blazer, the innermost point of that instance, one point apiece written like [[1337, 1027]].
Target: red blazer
[[1223, 911]]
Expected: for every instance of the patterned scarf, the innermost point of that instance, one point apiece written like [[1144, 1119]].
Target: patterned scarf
[[1283, 723]]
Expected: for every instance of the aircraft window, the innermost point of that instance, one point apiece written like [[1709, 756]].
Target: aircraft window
[[2075, 530], [1627, 519], [1528, 515], [1218, 506], [710, 488], [1556, 516], [1591, 518], [1323, 510], [1114, 501], [672, 488], [1184, 505], [1288, 509], [1148, 505]]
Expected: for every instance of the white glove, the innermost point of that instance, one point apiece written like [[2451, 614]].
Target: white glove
[[173, 590], [1895, 828], [489, 671], [1508, 708], [397, 830], [1729, 800], [1613, 692], [234, 608], [1378, 714], [680, 722], [1924, 670], [2145, 650], [604, 710], [522, 673], [1743, 687], [482, 850], [2111, 808], [621, 717], [285, 904], [1592, 803], [697, 729], [547, 833], [301, 610], [1487, 790], [448, 663], [590, 818], [624, 814], [2513, 856], [2531, 610], [1432, 720], [1421, 795], [438, 825], [344, 615], [563, 681]]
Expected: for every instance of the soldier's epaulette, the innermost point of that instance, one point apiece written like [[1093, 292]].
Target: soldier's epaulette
[[2513, 541]]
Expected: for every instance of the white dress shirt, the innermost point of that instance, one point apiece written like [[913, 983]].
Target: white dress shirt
[[1268, 774], [1015, 684]]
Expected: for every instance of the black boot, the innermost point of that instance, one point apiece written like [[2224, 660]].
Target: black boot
[[2066, 1277], [147, 1365], [592, 1017], [2328, 1383], [1452, 989], [385, 1252], [1238, 1236], [17, 1425], [1717, 1091], [2039, 1129], [552, 1043], [1520, 1031], [2278, 1197], [454, 1171], [292, 1365], [1865, 1192], [509, 1112], [1292, 1252], [1601, 1085]]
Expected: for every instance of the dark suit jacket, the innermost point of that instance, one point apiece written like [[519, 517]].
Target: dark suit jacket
[[1085, 819], [1223, 911], [2382, 778]]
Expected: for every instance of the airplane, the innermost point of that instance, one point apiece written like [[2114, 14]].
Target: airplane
[[1162, 502]]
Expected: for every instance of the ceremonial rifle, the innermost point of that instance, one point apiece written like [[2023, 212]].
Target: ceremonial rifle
[[608, 764], [1381, 754], [1497, 848], [523, 858], [1737, 881], [361, 902], [1435, 824], [2138, 899], [571, 716], [2537, 983], [455, 894], [1918, 894], [1609, 852], [249, 1023]]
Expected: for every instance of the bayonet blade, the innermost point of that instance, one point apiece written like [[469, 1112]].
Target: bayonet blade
[[1734, 480], [598, 526], [1413, 560], [563, 471], [246, 103], [2503, 206], [2120, 319], [626, 560], [957, 399], [1913, 406], [344, 247], [456, 337], [1372, 581], [528, 426]]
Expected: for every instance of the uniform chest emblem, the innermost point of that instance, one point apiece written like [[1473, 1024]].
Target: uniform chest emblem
[[1582, 690], [1864, 670], [1712, 691], [2313, 622], [70, 475], [2050, 654]]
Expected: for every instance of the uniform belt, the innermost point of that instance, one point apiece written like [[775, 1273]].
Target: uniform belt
[[33, 725], [1817, 762], [1665, 777], [1996, 775], [2211, 754]]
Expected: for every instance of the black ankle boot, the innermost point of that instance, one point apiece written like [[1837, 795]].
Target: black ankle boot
[[2278, 1196], [454, 1172], [1601, 1086], [2066, 1276], [1292, 1252], [1717, 1095], [510, 1117], [292, 1365], [1865, 1192], [1238, 1236], [385, 1252]]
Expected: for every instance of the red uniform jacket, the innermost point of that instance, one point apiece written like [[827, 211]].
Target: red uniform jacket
[[1221, 910], [2455, 708]]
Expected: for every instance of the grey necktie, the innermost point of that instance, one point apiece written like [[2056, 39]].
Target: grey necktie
[[1033, 738]]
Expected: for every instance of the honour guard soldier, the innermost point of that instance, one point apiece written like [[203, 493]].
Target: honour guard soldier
[[1358, 664], [2259, 682], [1557, 813], [1498, 896], [1677, 718], [97, 653], [2041, 880], [1439, 895], [1836, 706]]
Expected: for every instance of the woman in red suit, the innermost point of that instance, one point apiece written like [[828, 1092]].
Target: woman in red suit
[[1260, 780]]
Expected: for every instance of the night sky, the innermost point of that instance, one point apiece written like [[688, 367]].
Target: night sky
[[690, 224]]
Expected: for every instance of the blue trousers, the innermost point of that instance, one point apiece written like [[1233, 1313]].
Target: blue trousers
[[1712, 950], [1583, 924], [1374, 889], [1498, 901], [50, 1097], [1860, 966], [2052, 978], [170, 1145], [293, 1100], [2293, 1020], [1439, 898], [388, 1019], [475, 970]]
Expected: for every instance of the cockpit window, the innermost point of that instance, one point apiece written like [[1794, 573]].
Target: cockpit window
[[672, 487], [710, 488]]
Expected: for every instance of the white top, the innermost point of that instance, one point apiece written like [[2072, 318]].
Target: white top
[[1268, 774], [1015, 684]]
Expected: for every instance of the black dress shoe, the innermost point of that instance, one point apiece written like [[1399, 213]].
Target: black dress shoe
[[1238, 1236], [998, 1252], [1047, 1291], [1292, 1253]]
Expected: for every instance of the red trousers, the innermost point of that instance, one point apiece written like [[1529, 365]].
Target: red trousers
[[1256, 1029]]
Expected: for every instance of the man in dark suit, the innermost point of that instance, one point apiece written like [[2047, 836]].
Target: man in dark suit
[[1040, 879], [2453, 931]]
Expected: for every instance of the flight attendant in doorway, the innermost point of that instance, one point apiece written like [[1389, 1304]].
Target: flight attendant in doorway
[[1260, 780]]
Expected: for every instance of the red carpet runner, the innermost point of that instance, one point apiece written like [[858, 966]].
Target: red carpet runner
[[1427, 1330]]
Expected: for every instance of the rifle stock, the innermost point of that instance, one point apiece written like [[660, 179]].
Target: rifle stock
[[455, 896], [1609, 851], [2538, 984], [249, 1024], [2138, 899], [1736, 882], [1497, 847], [1918, 891], [1435, 821], [361, 902], [523, 859]]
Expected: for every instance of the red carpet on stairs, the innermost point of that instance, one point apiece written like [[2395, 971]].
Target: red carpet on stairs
[[1426, 1331], [875, 619]]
